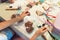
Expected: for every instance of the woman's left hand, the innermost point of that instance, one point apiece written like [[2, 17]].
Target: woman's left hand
[[41, 30]]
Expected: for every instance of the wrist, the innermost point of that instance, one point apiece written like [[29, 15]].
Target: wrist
[[21, 17]]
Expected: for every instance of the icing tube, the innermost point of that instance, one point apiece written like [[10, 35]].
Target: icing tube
[[51, 16]]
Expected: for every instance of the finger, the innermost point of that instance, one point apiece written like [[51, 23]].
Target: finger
[[25, 10], [44, 30]]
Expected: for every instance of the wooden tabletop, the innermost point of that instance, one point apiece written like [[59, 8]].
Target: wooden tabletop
[[6, 14]]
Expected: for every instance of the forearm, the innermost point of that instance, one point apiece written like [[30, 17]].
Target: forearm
[[39, 32], [5, 24], [34, 36]]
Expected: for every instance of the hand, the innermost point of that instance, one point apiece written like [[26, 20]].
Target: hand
[[41, 30], [25, 13]]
